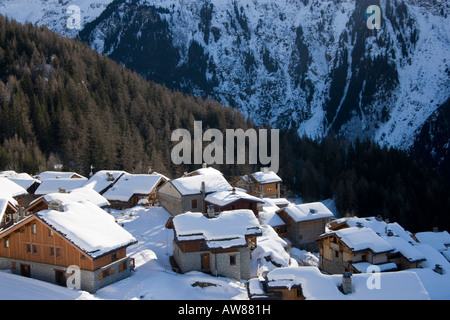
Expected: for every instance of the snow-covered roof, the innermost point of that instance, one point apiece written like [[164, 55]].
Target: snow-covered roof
[[269, 216], [88, 227], [360, 238], [58, 175], [223, 198], [103, 179], [207, 170], [401, 285], [438, 240], [193, 184], [130, 184], [264, 177], [364, 266], [393, 233], [307, 211], [376, 224], [76, 195], [407, 249], [226, 230], [53, 185], [22, 179], [10, 189]]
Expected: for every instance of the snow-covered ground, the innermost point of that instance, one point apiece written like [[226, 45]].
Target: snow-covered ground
[[153, 278]]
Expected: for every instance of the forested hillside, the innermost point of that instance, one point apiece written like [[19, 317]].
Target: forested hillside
[[61, 102]]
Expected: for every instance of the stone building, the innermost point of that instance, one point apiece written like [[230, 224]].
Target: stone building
[[219, 244], [188, 193], [304, 223]]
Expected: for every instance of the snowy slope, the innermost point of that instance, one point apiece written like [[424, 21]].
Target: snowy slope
[[153, 278]]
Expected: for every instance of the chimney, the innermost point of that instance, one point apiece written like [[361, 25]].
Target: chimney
[[233, 191], [438, 269], [62, 190], [347, 282], [204, 165], [259, 207], [109, 176], [21, 213], [203, 188], [56, 205], [435, 229], [210, 211]]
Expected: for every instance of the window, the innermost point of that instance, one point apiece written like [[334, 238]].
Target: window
[[50, 232], [34, 248], [6, 243], [233, 260], [113, 257], [58, 252], [52, 251], [336, 254], [194, 204], [34, 228], [28, 248]]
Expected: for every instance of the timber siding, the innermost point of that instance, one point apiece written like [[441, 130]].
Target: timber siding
[[34, 246], [336, 257]]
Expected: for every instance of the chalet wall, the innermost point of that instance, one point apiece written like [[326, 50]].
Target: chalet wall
[[219, 262], [303, 235], [239, 204], [269, 190], [187, 203], [335, 257], [90, 281], [34, 241], [170, 199]]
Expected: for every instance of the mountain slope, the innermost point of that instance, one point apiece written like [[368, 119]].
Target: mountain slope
[[54, 14], [310, 64]]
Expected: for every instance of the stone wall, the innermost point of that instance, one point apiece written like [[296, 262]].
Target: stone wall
[[88, 280]]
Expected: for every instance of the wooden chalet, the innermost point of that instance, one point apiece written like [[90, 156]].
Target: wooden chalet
[[264, 184], [45, 244], [404, 254], [132, 189], [232, 200], [220, 244], [263, 289], [341, 251]]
